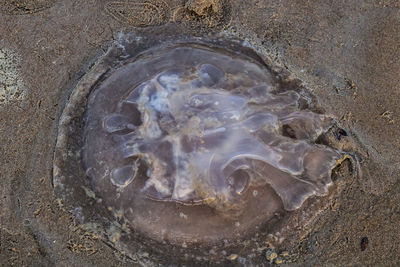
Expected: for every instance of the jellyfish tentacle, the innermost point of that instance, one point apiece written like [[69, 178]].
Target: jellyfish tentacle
[[307, 125]]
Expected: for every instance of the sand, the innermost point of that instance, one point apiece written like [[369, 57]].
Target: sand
[[346, 52]]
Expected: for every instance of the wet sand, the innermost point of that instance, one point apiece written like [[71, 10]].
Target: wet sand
[[346, 52]]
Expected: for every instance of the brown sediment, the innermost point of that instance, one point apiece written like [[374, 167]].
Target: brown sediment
[[325, 45]]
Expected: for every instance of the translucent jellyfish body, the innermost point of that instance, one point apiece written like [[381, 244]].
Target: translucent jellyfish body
[[193, 144]]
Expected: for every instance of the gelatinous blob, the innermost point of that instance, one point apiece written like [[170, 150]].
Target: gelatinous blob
[[124, 175], [188, 130]]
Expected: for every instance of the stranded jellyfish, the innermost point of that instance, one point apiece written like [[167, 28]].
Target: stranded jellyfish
[[191, 144]]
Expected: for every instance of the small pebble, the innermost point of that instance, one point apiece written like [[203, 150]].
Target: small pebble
[[272, 256], [364, 243], [233, 257]]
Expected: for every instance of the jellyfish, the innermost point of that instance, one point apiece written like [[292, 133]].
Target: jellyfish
[[195, 144]]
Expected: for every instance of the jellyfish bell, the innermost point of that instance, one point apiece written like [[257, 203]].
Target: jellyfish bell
[[189, 117], [188, 143]]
